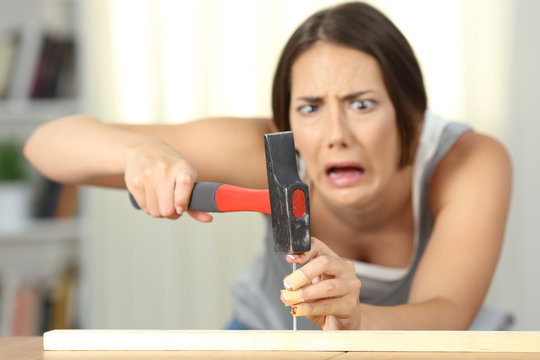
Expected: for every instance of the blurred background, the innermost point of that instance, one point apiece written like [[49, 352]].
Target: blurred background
[[85, 258]]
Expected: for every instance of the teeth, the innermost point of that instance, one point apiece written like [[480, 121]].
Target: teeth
[[335, 174]]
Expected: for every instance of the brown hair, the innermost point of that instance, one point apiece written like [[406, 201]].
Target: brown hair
[[362, 27]]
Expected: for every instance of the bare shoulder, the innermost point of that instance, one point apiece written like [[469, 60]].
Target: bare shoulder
[[469, 198], [475, 163]]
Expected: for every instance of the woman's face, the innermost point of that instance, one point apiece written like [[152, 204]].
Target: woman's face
[[344, 123]]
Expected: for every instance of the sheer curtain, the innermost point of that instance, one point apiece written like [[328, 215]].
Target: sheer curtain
[[169, 61]]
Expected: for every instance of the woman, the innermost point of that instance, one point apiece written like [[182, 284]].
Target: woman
[[407, 210]]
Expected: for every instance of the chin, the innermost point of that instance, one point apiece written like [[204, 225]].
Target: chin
[[350, 196]]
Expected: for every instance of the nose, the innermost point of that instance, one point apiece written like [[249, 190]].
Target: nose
[[338, 130]]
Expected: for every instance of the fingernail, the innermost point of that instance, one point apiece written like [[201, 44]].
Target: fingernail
[[287, 286], [290, 257], [179, 210], [296, 280]]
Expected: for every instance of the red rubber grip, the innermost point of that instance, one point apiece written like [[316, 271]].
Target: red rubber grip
[[234, 198]]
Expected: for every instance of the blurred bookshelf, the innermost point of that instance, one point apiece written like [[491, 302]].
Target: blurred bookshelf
[[38, 63], [38, 83]]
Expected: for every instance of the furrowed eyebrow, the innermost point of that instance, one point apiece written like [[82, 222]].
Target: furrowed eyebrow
[[310, 99], [355, 94], [318, 99]]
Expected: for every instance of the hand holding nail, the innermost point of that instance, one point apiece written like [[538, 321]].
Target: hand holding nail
[[325, 290]]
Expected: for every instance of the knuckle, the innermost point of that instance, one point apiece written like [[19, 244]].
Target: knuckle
[[162, 166], [325, 260], [147, 173], [349, 265], [185, 179], [154, 212], [356, 285], [167, 211], [330, 287], [136, 182]]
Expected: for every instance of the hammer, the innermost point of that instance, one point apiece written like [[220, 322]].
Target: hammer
[[286, 200]]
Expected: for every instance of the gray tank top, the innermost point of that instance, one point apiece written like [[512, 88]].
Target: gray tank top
[[257, 302]]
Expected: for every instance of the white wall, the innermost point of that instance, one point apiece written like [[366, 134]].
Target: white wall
[[517, 285], [169, 61]]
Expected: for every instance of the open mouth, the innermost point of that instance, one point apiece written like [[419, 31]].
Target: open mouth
[[339, 171], [344, 174]]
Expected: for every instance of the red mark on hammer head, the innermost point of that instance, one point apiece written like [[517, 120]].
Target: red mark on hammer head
[[298, 203]]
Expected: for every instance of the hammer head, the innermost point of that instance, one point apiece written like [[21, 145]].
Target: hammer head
[[289, 196]]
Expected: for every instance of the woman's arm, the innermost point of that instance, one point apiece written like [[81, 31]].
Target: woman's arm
[[470, 195], [470, 199], [157, 163]]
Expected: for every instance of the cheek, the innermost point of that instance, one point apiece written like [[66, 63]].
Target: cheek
[[303, 141], [391, 143], [385, 142], [306, 142], [304, 136]]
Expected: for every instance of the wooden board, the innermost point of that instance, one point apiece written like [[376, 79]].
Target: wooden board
[[21, 348], [362, 341]]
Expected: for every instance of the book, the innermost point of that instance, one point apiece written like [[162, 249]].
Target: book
[[26, 311], [30, 37], [9, 42], [54, 73], [46, 198]]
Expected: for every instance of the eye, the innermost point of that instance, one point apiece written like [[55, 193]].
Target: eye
[[307, 109], [362, 104]]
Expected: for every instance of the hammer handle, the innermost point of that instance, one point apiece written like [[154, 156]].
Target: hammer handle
[[216, 197]]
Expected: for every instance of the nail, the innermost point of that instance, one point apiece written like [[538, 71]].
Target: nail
[[282, 298], [296, 280], [287, 286], [179, 210]]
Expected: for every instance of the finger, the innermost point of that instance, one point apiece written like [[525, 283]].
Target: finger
[[318, 248], [165, 194], [331, 288], [182, 191], [323, 265], [290, 298], [201, 216], [295, 280], [136, 189], [140, 198], [152, 205], [322, 307]]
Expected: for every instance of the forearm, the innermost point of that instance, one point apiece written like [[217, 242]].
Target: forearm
[[434, 314], [80, 149]]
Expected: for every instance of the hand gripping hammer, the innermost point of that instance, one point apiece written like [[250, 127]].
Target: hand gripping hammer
[[286, 200]]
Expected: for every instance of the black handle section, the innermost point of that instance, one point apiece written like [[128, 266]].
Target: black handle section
[[203, 197]]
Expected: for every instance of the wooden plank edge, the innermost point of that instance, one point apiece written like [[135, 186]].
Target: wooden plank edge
[[263, 340]]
